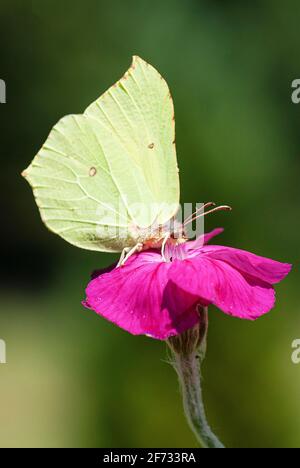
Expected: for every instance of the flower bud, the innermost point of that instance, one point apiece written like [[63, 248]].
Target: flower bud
[[192, 340]]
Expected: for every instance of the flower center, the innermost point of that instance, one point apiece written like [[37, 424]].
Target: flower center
[[174, 252]]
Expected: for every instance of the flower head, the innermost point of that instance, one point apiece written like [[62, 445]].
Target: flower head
[[160, 297]]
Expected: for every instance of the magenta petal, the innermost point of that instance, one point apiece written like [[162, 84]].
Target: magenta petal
[[264, 268], [220, 284], [139, 298], [210, 235], [204, 239]]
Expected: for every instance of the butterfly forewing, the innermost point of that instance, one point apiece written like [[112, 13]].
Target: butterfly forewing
[[102, 175]]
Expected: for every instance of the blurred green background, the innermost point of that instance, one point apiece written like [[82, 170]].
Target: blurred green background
[[72, 379]]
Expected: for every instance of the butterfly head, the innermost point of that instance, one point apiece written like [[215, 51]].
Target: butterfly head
[[172, 232]]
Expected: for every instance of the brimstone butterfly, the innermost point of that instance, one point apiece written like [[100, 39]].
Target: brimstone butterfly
[[98, 173]]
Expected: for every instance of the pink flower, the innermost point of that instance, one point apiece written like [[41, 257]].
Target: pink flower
[[159, 297]]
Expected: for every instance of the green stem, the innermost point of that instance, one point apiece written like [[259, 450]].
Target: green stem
[[188, 371], [188, 351]]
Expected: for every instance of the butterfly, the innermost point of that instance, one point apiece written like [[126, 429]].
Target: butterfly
[[108, 180]]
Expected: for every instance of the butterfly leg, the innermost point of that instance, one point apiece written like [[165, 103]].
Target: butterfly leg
[[127, 252], [163, 245]]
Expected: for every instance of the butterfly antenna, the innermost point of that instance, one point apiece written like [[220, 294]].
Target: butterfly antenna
[[200, 209], [217, 208]]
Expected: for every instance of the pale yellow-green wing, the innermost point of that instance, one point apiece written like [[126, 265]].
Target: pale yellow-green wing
[[102, 175]]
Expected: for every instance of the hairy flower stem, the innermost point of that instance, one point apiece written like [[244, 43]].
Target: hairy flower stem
[[188, 350]]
